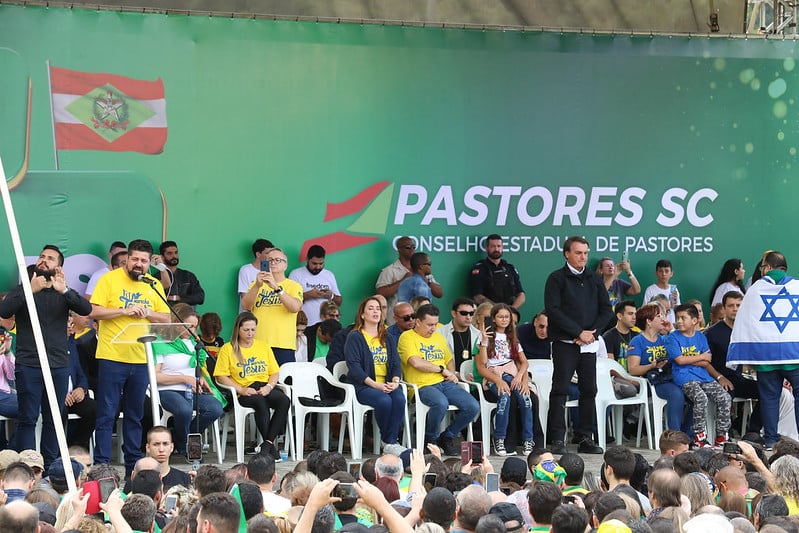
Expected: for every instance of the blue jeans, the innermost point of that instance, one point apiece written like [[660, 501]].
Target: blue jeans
[[769, 385], [503, 412], [438, 398], [32, 400], [182, 409], [8, 409], [675, 403], [389, 410], [115, 380]]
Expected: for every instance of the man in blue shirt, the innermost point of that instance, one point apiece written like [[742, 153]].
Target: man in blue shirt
[[421, 282]]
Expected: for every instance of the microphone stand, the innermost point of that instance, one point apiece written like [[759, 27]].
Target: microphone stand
[[199, 346]]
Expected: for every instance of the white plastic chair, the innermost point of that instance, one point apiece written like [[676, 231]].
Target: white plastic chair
[[486, 407], [540, 372], [240, 414], [359, 411], [304, 385], [420, 412], [658, 405], [155, 396], [605, 397]]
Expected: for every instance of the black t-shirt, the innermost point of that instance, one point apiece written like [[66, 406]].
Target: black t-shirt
[[176, 477], [532, 346], [718, 339], [617, 343]]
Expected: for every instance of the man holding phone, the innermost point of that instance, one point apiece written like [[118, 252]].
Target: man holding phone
[[427, 362], [275, 301]]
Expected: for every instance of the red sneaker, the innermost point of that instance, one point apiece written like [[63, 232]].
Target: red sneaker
[[720, 440], [700, 440]]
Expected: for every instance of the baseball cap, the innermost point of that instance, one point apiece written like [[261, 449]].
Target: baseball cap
[[58, 478], [32, 458], [46, 512], [508, 513], [7, 457], [514, 469]]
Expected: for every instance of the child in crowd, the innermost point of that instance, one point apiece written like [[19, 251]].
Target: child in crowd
[[664, 272], [689, 354]]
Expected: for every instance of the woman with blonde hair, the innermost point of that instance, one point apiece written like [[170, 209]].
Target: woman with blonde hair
[[248, 365], [786, 481]]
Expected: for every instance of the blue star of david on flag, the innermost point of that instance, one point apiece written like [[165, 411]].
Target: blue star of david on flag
[[769, 315]]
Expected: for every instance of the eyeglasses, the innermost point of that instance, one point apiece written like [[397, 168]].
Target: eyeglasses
[[409, 247], [277, 260], [407, 318], [465, 313]]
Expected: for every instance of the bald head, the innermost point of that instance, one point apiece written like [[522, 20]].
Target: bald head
[[145, 463], [19, 516], [731, 479], [471, 503], [389, 466]]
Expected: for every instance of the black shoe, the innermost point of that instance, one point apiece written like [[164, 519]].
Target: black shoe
[[267, 448], [558, 447], [577, 438], [587, 445], [447, 445]]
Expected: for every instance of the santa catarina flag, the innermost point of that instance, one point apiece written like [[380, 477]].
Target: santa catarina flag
[[766, 330], [96, 111]]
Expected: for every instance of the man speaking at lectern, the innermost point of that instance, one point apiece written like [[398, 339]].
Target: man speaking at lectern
[[124, 297]]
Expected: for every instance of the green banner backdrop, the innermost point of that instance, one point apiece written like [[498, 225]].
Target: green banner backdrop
[[352, 135]]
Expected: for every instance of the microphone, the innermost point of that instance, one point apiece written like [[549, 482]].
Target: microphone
[[145, 279]]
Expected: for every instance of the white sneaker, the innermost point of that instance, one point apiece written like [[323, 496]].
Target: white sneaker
[[393, 449], [528, 447], [499, 447]]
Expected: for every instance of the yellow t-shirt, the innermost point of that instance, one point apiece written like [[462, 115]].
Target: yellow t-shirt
[[379, 356], [433, 349], [258, 363], [276, 325], [115, 290]]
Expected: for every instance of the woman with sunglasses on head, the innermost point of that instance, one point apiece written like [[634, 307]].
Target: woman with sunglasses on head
[[373, 366], [503, 366]]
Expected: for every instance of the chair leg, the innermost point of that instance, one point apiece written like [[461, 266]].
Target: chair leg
[[220, 452], [240, 439], [299, 430], [375, 433], [355, 452]]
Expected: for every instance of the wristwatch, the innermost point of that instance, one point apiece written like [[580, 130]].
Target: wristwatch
[[441, 369], [279, 289]]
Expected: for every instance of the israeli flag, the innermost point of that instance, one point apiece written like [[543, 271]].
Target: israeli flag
[[766, 330]]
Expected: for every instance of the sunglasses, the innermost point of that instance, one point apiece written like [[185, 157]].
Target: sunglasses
[[466, 313], [407, 318]]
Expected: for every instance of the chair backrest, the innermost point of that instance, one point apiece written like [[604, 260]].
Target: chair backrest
[[340, 369], [303, 378], [467, 367], [603, 367]]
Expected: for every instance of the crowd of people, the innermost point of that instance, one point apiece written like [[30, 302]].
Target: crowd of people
[[396, 346]]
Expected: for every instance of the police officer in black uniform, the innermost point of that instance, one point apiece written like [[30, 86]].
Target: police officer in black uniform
[[495, 279]]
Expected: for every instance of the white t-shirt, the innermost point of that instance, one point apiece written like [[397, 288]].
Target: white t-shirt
[[325, 280], [94, 279], [653, 289], [176, 364], [247, 274], [723, 289]]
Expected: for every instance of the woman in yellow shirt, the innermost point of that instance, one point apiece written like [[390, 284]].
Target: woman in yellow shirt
[[249, 366]]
